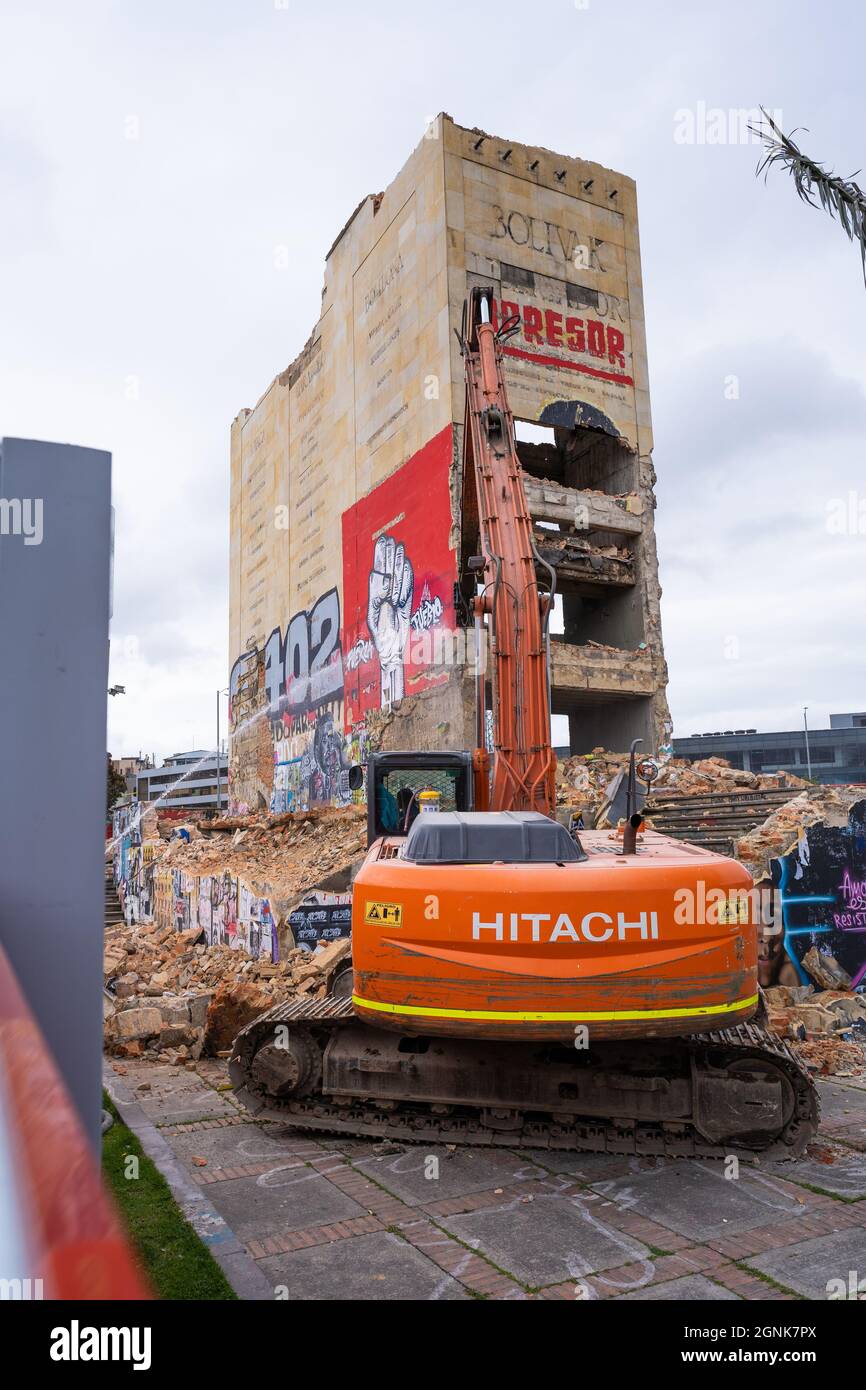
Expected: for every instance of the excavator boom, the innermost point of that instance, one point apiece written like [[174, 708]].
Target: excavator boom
[[515, 612]]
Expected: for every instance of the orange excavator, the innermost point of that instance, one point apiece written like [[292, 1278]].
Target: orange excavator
[[513, 980]]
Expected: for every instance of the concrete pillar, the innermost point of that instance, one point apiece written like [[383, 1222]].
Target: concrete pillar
[[55, 568]]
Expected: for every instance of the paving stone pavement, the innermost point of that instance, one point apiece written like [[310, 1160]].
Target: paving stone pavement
[[333, 1218]]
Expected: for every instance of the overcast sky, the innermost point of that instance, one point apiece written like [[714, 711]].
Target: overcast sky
[[153, 156]]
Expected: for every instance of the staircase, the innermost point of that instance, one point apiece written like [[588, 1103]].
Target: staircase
[[715, 820], [113, 910]]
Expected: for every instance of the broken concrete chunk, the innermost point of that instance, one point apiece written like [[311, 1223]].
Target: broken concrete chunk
[[198, 1007], [332, 954], [786, 996], [138, 1023], [825, 970]]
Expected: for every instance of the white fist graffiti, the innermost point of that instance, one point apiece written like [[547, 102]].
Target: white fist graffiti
[[389, 608]]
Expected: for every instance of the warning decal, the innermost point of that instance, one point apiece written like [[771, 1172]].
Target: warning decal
[[384, 914]]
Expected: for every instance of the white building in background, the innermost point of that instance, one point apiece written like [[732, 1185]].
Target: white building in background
[[190, 779]]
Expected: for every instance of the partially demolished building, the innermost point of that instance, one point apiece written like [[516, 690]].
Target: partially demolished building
[[347, 541]]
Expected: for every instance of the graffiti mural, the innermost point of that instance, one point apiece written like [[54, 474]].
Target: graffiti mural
[[250, 770], [285, 716], [298, 704], [398, 583], [321, 917], [822, 885], [311, 764], [133, 862], [163, 893]]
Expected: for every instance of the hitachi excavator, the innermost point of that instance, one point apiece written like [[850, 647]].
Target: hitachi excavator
[[515, 981]]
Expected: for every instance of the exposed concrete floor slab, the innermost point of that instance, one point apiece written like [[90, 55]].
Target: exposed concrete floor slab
[[696, 1200], [830, 1167], [284, 1199], [693, 1287], [376, 1266], [808, 1266], [425, 1174], [546, 1240]]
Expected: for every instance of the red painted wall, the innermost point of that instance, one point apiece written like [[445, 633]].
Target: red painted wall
[[398, 582]]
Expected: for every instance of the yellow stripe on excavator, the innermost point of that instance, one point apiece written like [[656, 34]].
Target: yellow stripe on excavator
[[696, 1011]]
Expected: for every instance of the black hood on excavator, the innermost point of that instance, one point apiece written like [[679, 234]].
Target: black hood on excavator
[[490, 837]]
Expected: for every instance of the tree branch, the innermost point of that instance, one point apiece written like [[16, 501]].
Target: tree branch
[[841, 198]]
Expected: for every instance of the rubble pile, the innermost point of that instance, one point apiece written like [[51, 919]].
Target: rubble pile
[[287, 854], [170, 995], [684, 778], [778, 834], [583, 780], [827, 1025]]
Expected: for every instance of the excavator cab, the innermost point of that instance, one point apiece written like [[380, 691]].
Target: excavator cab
[[396, 781]]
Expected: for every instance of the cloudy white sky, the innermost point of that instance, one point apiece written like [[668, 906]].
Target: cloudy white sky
[[153, 156]]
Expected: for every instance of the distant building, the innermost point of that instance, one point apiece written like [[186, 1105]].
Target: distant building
[[129, 768], [838, 754], [190, 779]]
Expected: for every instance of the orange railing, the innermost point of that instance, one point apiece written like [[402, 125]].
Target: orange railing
[[59, 1235]]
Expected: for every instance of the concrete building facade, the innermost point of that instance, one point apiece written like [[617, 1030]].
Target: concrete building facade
[[347, 544]]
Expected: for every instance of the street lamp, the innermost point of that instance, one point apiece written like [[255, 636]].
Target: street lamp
[[218, 694], [808, 754]]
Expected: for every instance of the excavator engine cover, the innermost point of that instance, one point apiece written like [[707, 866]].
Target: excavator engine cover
[[496, 837]]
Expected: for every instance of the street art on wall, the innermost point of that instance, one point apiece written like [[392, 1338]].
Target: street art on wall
[[163, 894], [298, 704], [304, 667], [133, 863], [321, 917], [822, 887], [311, 765], [223, 907], [285, 717], [398, 583], [251, 761]]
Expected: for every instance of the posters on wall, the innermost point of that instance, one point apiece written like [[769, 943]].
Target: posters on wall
[[320, 918]]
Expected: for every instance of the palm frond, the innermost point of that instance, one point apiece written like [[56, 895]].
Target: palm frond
[[841, 198]]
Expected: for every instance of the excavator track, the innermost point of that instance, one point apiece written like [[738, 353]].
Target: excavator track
[[278, 1062]]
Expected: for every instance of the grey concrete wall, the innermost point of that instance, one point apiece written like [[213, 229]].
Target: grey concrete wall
[[54, 615]]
